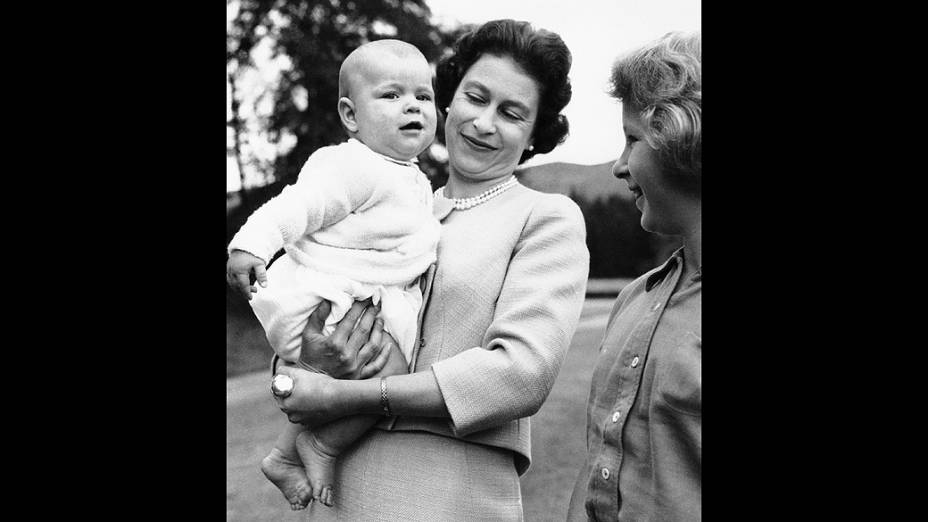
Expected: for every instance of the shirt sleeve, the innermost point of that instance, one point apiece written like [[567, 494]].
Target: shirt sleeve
[[332, 183], [536, 315]]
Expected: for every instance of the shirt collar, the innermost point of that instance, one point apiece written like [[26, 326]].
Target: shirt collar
[[675, 259], [411, 163]]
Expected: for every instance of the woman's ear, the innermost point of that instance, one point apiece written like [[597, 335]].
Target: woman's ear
[[347, 114]]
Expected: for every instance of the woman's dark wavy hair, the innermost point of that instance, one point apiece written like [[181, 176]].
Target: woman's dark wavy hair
[[542, 54]]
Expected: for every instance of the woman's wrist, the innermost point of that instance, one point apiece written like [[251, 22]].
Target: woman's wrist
[[333, 396], [384, 397], [353, 397]]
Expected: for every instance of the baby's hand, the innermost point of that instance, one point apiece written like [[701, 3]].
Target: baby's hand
[[240, 269]]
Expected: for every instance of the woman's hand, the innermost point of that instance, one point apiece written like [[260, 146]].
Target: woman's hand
[[310, 402], [356, 349], [380, 356]]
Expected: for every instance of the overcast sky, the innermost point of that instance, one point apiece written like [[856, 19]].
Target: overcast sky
[[596, 31]]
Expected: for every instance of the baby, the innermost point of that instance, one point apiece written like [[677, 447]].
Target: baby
[[356, 224]]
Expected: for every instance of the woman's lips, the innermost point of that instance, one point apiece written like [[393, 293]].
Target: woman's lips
[[477, 143]]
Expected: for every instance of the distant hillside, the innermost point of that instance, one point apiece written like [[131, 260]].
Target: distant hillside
[[590, 182]]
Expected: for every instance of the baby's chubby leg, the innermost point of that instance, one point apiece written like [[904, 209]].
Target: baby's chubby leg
[[283, 467], [319, 448]]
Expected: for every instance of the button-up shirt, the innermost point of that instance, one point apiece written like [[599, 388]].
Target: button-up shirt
[[644, 418]]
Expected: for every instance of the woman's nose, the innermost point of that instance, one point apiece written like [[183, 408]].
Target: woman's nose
[[484, 122], [620, 168]]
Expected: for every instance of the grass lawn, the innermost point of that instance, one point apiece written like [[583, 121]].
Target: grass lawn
[[247, 349], [253, 421], [559, 427]]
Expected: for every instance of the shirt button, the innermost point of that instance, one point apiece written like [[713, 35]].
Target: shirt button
[[635, 362], [606, 473], [422, 342], [615, 416]]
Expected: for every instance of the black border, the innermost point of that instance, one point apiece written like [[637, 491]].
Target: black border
[[136, 267]]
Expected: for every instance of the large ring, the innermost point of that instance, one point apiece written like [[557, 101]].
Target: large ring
[[282, 385]]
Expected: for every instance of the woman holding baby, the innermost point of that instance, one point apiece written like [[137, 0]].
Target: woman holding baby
[[501, 305]]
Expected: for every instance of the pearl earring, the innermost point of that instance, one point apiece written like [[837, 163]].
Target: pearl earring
[[531, 147], [447, 109]]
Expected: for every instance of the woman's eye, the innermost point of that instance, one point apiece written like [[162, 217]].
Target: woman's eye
[[512, 115], [474, 98]]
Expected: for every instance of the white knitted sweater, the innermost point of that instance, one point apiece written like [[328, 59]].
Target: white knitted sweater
[[351, 212]]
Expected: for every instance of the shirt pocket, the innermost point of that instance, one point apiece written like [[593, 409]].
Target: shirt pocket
[[679, 379]]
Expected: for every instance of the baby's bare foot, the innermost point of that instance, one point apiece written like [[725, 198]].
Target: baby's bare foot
[[289, 477], [319, 462]]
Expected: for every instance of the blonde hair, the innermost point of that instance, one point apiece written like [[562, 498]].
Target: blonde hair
[[662, 81]]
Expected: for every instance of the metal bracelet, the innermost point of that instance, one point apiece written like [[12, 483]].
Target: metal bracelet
[[384, 401]]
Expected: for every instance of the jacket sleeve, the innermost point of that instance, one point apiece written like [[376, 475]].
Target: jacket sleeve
[[536, 315], [332, 183]]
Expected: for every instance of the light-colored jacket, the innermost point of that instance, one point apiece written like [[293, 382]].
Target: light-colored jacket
[[503, 302]]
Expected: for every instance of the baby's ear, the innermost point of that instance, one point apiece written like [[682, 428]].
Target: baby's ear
[[347, 114]]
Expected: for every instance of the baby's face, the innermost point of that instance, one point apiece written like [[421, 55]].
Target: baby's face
[[395, 106]]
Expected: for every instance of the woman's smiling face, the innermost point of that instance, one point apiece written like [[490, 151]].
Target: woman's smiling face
[[659, 194], [491, 119]]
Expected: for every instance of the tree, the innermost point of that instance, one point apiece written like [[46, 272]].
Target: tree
[[235, 122], [316, 36]]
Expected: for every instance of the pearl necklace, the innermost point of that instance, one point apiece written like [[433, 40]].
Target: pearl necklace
[[492, 192]]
